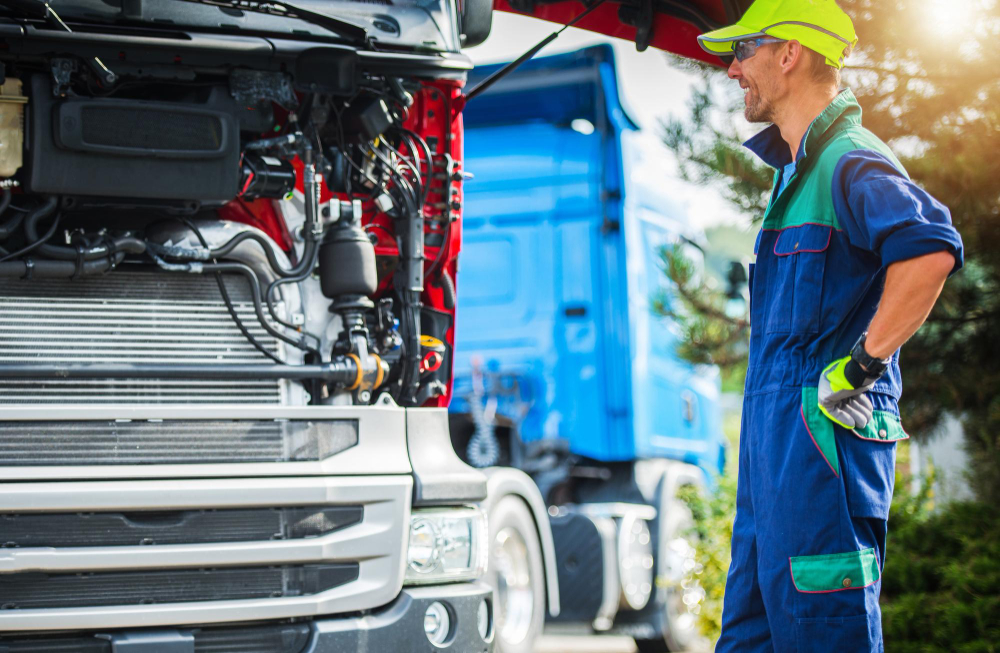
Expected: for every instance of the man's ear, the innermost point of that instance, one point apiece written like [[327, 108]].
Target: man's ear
[[791, 55]]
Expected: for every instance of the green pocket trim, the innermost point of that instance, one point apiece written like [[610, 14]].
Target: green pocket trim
[[834, 572], [882, 427], [820, 428]]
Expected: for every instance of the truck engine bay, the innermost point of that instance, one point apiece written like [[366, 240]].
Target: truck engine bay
[[195, 230]]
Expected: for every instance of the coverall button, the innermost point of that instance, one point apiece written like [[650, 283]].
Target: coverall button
[[847, 582], [882, 433]]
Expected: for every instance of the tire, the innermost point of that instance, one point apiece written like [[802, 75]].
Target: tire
[[674, 549], [517, 575]]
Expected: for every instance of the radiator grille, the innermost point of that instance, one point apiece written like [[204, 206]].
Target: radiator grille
[[280, 638], [37, 590], [151, 528], [172, 441], [131, 317]]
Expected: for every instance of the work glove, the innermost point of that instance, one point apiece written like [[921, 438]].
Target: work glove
[[842, 401]]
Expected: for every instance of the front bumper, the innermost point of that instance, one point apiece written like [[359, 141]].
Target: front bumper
[[400, 626], [397, 627]]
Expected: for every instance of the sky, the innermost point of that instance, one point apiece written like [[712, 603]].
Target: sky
[[651, 90]]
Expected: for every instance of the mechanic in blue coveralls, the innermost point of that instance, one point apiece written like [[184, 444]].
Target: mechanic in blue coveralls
[[850, 260]]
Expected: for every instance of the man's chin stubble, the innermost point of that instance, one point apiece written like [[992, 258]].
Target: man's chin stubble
[[757, 114]]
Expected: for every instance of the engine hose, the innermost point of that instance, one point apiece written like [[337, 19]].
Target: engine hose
[[125, 244], [303, 266], [410, 284], [447, 287], [47, 269], [11, 224], [255, 293], [280, 282]]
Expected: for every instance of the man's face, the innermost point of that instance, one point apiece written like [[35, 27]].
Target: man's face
[[759, 77]]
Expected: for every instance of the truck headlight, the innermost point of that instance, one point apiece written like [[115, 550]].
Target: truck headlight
[[446, 544]]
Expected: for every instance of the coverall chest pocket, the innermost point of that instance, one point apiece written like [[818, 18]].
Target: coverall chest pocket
[[799, 262]]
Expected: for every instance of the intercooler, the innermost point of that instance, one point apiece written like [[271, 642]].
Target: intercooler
[[133, 316]]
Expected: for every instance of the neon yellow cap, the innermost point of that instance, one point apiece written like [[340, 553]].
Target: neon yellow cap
[[819, 25]]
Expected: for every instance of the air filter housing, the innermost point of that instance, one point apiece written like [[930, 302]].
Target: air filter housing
[[133, 148]]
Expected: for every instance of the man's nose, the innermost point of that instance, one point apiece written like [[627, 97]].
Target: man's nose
[[735, 69]]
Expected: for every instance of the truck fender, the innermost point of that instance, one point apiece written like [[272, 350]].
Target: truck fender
[[503, 481]]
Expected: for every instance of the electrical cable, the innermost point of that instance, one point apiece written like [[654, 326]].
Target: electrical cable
[[428, 155]]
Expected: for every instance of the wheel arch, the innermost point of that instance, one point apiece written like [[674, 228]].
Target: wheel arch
[[506, 481]]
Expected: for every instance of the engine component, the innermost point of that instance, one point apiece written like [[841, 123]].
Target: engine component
[[266, 176], [368, 118], [347, 256], [133, 148], [11, 127]]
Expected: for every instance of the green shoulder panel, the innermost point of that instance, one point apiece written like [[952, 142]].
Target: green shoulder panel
[[809, 197]]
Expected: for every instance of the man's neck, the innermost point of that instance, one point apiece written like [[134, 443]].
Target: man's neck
[[798, 113]]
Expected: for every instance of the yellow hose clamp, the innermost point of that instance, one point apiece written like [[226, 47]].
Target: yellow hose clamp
[[361, 372]]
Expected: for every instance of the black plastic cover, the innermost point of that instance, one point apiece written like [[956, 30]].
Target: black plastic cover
[[133, 148]]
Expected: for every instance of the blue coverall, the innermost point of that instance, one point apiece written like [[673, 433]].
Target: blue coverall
[[794, 499]]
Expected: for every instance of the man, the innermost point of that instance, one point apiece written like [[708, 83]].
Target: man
[[850, 260]]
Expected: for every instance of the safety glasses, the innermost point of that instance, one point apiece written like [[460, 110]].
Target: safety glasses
[[746, 49]]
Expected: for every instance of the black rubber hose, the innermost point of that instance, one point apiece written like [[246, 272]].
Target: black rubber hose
[[35, 245], [447, 289], [341, 371], [125, 244], [47, 269], [311, 244], [229, 302], [255, 293], [10, 225]]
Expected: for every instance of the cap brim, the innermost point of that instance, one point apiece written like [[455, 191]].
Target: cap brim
[[721, 40]]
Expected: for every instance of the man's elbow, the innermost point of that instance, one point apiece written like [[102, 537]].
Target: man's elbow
[[940, 264], [930, 268]]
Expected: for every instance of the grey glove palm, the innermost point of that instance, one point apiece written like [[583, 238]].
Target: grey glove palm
[[842, 402]]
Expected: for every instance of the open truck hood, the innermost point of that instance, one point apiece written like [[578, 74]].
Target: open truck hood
[[670, 25]]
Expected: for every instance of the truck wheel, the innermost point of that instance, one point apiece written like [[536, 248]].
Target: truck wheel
[[681, 598], [517, 575]]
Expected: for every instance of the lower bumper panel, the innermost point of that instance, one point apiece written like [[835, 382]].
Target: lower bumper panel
[[398, 627]]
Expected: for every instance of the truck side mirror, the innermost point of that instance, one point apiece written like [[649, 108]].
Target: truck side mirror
[[736, 279]]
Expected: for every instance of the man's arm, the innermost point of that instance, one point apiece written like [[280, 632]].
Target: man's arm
[[911, 288]]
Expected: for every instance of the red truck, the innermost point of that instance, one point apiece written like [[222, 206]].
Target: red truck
[[229, 238]]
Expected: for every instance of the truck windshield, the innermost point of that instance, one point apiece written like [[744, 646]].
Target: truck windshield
[[421, 25], [417, 24]]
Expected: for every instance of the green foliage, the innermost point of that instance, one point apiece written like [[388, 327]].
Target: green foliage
[[934, 98], [713, 532], [941, 585]]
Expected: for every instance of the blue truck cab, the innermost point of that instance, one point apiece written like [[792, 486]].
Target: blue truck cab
[[562, 368]]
